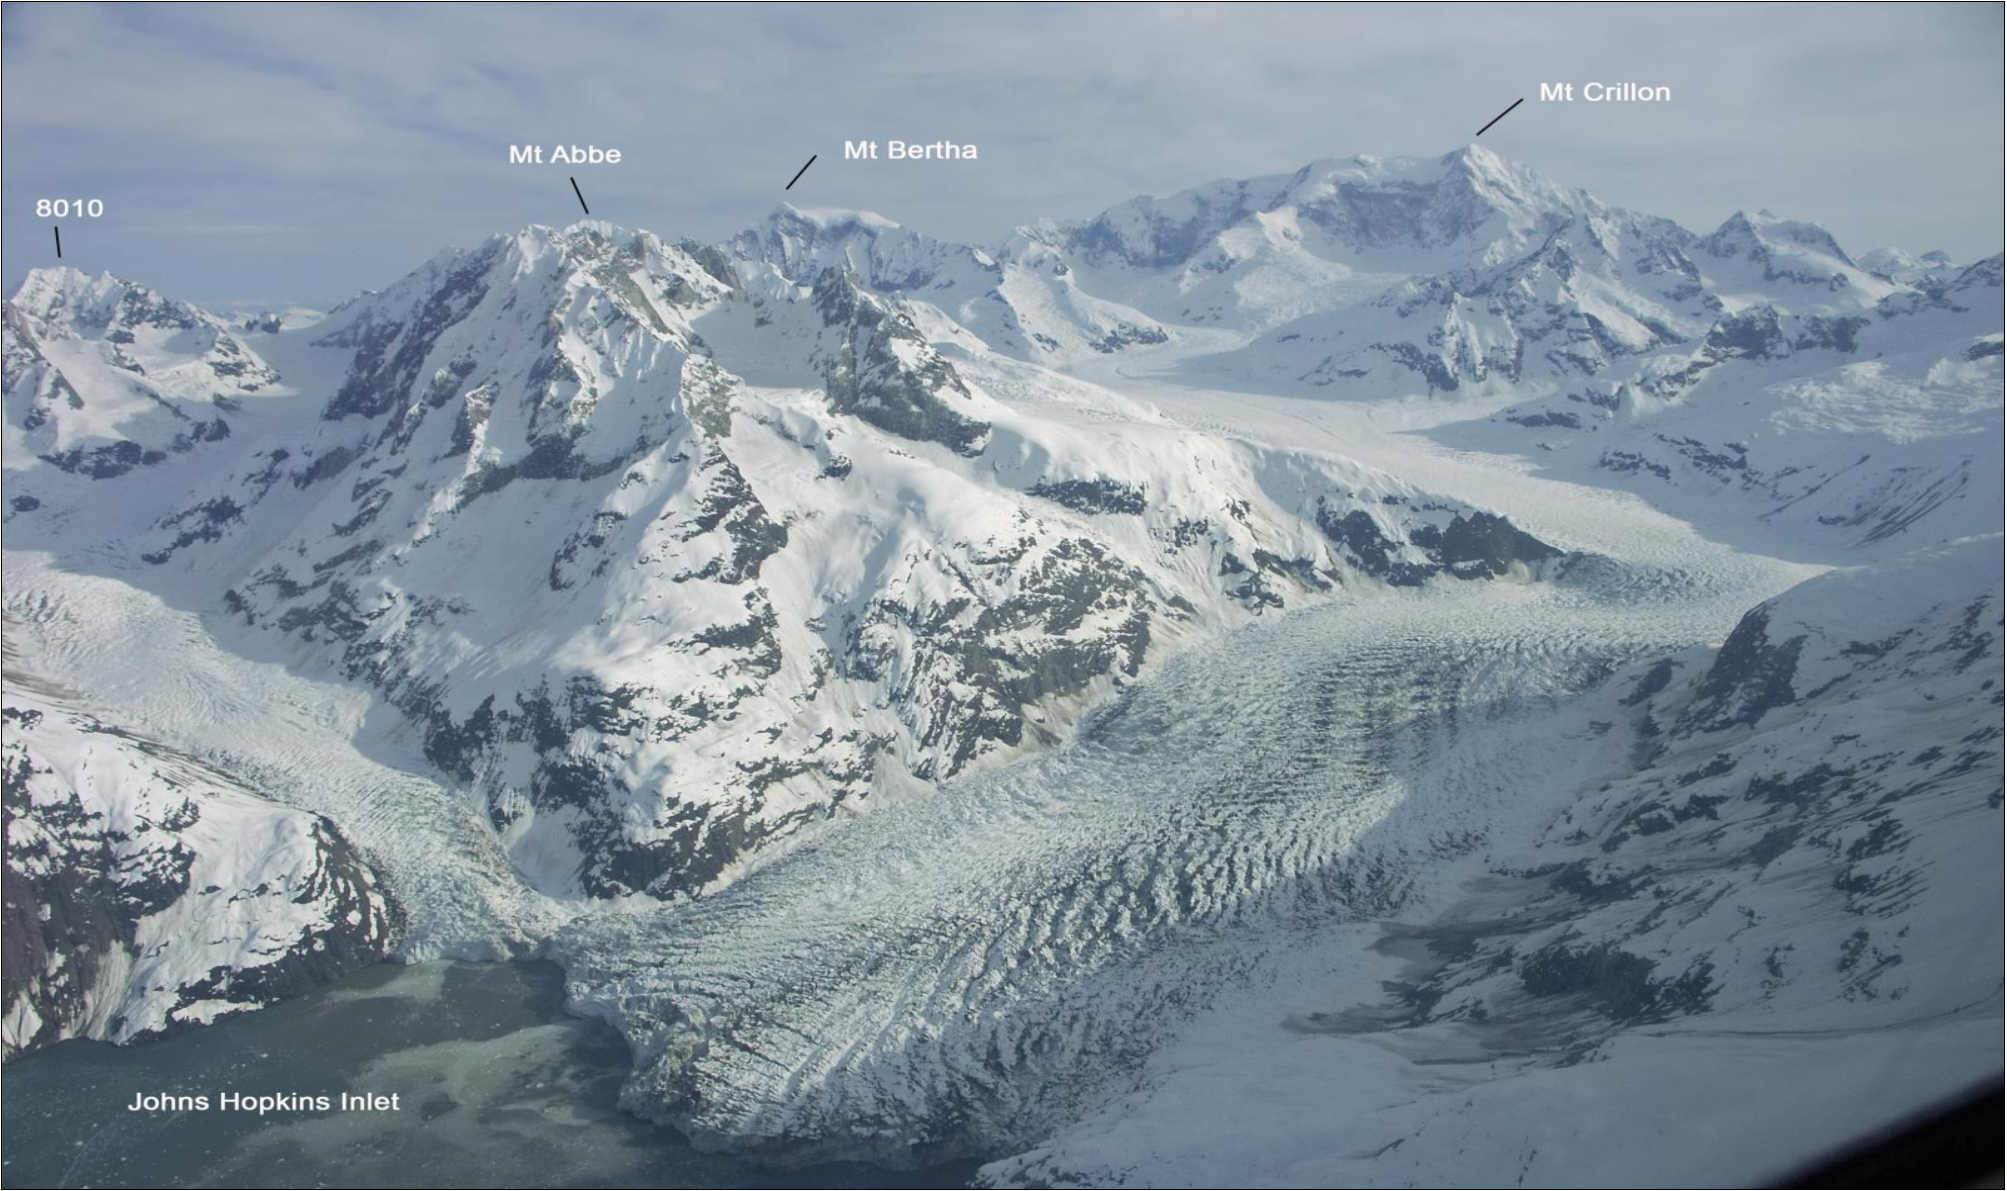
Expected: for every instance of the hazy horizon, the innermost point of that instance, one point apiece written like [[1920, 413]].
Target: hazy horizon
[[299, 154]]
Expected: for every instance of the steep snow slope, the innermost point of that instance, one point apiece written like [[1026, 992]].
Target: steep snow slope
[[317, 745], [1464, 275], [1249, 256], [1028, 307], [103, 376], [751, 551], [1750, 258], [585, 564], [147, 892]]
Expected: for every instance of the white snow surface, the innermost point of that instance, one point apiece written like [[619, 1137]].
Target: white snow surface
[[1311, 1073], [260, 879], [821, 555]]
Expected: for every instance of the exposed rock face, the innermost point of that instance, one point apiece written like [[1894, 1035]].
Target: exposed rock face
[[82, 355], [146, 892], [1717, 831], [662, 555], [762, 551], [885, 373], [1093, 496], [1471, 546]]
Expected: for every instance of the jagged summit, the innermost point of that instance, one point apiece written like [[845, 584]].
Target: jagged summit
[[43, 281], [1765, 225], [595, 354], [64, 294], [651, 427], [579, 573]]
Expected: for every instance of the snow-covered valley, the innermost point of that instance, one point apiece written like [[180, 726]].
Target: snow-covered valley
[[1341, 677]]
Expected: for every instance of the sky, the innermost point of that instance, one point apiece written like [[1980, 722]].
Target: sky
[[265, 155]]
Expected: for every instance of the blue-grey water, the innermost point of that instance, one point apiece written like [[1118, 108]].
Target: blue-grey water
[[498, 1087]]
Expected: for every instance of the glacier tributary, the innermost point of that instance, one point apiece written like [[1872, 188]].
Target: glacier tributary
[[959, 974]]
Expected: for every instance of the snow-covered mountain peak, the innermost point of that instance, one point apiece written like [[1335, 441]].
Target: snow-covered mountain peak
[[583, 244], [1528, 201], [49, 288], [532, 306], [1908, 268], [103, 375], [741, 498], [589, 243], [799, 244], [1788, 262], [64, 297], [648, 557], [1363, 210], [1261, 255], [1765, 226]]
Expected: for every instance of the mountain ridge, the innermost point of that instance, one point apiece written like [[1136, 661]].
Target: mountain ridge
[[585, 363], [665, 570]]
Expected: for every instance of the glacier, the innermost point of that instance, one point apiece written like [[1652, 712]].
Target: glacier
[[1330, 675]]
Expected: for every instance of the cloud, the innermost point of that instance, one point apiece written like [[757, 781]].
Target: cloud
[[383, 130]]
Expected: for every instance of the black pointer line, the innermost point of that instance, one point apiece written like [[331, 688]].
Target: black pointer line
[[798, 173], [59, 243], [581, 195], [1500, 116]]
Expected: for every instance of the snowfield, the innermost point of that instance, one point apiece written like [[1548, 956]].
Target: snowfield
[[1393, 673]]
